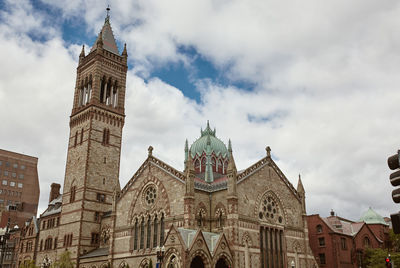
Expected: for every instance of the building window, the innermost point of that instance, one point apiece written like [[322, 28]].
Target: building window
[[343, 242], [106, 137], [21, 176], [162, 230], [72, 194], [321, 241], [5, 173], [48, 243], [55, 242], [367, 242], [12, 183], [136, 233], [155, 234], [97, 216], [95, 239], [322, 258], [7, 164], [13, 174], [15, 165], [148, 233], [101, 198], [41, 245], [4, 182], [142, 234], [20, 185], [22, 167]]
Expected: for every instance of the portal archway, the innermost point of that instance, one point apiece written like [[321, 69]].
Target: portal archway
[[197, 262], [221, 263]]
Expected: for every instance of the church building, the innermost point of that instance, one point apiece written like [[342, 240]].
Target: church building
[[210, 214]]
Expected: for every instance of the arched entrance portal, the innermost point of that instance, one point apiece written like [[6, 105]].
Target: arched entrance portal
[[197, 262], [221, 263]]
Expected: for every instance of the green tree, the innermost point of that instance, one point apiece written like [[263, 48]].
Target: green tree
[[150, 264], [64, 261], [28, 264]]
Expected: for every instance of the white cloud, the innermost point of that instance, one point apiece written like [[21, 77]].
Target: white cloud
[[325, 101]]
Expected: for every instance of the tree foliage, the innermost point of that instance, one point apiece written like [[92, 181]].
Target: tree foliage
[[28, 264], [375, 257], [64, 261]]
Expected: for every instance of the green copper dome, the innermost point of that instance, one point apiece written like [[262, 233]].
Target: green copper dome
[[208, 137], [371, 217]]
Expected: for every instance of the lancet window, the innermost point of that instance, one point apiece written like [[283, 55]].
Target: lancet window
[[148, 229], [109, 92], [271, 247], [85, 91]]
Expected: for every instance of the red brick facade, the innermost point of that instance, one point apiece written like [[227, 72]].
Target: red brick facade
[[337, 242]]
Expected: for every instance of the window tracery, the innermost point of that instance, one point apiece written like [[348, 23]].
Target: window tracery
[[269, 210]]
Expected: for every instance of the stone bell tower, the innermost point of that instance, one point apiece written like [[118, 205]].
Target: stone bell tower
[[94, 147]]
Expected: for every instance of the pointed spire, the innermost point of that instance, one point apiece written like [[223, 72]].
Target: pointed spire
[[230, 146], [82, 52], [187, 151], [231, 164], [106, 38], [300, 187], [124, 52], [82, 55], [189, 164]]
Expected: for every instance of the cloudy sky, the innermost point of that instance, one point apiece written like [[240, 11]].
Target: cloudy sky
[[317, 81]]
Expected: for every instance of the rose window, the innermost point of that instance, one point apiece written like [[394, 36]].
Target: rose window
[[270, 211], [150, 195]]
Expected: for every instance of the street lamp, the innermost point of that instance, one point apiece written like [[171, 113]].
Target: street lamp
[[46, 262], [160, 254], [292, 264]]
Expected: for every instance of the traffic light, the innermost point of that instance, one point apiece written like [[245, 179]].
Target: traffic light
[[388, 262], [394, 163]]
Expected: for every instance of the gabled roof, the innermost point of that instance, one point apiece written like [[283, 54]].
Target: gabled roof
[[54, 207], [151, 160], [190, 235], [371, 217], [244, 174], [107, 37]]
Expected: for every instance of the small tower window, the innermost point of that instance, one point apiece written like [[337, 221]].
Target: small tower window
[[162, 230], [76, 138], [136, 233], [72, 194], [81, 136], [106, 136]]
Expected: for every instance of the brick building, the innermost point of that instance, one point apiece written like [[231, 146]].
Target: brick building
[[19, 188], [338, 242], [208, 215]]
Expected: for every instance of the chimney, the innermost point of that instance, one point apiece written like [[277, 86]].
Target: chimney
[[55, 191]]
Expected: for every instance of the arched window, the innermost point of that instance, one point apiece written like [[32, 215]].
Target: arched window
[[213, 163], [155, 234], [162, 230], [106, 136], [220, 221], [21, 247], [55, 243], [136, 233], [72, 194], [200, 219], [319, 228], [103, 89], [81, 136], [220, 166], [148, 233], [203, 164], [142, 234], [367, 242], [197, 165], [76, 138]]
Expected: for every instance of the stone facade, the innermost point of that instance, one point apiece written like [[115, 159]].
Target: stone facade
[[208, 215]]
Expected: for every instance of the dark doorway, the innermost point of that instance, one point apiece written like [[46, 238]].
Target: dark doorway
[[197, 262], [221, 263]]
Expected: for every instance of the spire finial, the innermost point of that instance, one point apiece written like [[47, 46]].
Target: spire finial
[[82, 55], [230, 146], [108, 11], [150, 150], [268, 149]]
